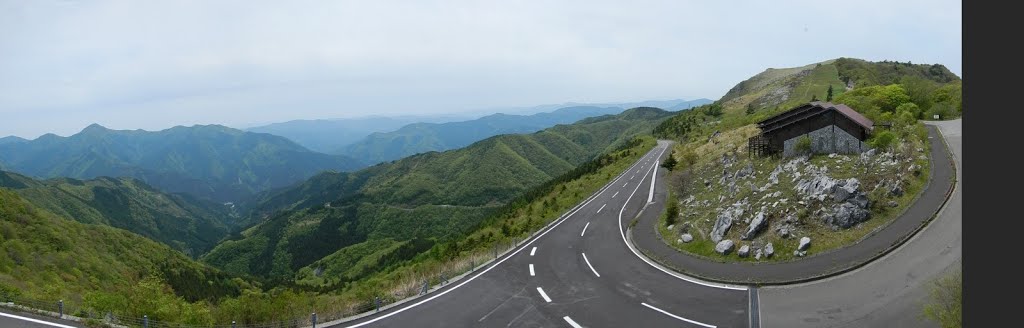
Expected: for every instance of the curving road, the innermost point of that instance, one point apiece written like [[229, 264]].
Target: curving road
[[580, 273], [890, 291]]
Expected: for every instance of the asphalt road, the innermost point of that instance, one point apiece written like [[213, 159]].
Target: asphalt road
[[12, 319], [583, 274], [888, 292], [818, 264]]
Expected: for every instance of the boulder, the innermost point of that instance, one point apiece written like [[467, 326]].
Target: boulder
[[846, 189], [723, 247], [757, 255], [769, 250], [773, 178], [893, 203], [686, 238], [784, 231], [756, 225], [896, 191], [847, 215], [744, 251], [805, 242], [860, 200], [724, 221], [816, 186], [670, 227], [745, 171]]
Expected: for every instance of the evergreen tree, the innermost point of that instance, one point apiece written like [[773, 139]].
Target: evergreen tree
[[670, 162], [829, 96], [750, 108]]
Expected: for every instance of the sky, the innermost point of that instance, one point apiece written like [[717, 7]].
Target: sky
[[157, 64]]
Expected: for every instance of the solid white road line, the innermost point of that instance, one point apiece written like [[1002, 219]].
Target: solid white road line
[[622, 233], [654, 177], [591, 266], [557, 223], [678, 317], [35, 320], [602, 207], [572, 323], [616, 194], [531, 270], [533, 251], [542, 294], [584, 229]]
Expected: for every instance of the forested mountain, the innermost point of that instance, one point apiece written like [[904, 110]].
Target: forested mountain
[[183, 222], [103, 268], [397, 210], [208, 161], [422, 137]]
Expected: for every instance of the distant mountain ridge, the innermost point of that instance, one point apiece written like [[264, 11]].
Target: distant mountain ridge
[[423, 137], [208, 161], [329, 135]]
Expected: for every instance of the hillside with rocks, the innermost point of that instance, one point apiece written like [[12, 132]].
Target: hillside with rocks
[[734, 207]]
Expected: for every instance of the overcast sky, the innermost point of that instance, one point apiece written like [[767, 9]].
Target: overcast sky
[[157, 64]]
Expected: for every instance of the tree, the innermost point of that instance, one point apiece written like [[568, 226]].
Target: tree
[[671, 210], [670, 162], [750, 108], [946, 304], [828, 97]]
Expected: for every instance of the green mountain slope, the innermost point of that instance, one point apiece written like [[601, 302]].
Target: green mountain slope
[[212, 161], [402, 208], [423, 137], [931, 87], [183, 222], [46, 257]]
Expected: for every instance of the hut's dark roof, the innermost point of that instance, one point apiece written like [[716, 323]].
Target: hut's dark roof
[[812, 109]]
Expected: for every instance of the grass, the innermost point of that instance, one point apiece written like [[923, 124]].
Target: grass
[[708, 202]]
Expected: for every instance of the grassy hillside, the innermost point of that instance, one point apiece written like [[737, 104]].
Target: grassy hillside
[[183, 222], [214, 162], [101, 268], [712, 144], [423, 137], [417, 200]]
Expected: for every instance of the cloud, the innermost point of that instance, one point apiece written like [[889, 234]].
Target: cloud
[[132, 64]]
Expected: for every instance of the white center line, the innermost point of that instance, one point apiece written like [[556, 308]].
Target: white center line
[[616, 194], [624, 184], [584, 229], [572, 323], [542, 294], [591, 266], [678, 317], [531, 270], [534, 250], [602, 207]]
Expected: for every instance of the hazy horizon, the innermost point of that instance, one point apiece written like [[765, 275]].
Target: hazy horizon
[[152, 66]]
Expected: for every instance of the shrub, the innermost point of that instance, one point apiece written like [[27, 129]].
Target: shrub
[[671, 210], [803, 145], [946, 306], [882, 140]]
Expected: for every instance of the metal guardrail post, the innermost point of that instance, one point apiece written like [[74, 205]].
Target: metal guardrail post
[[376, 300], [314, 319], [232, 323], [145, 321], [60, 309]]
